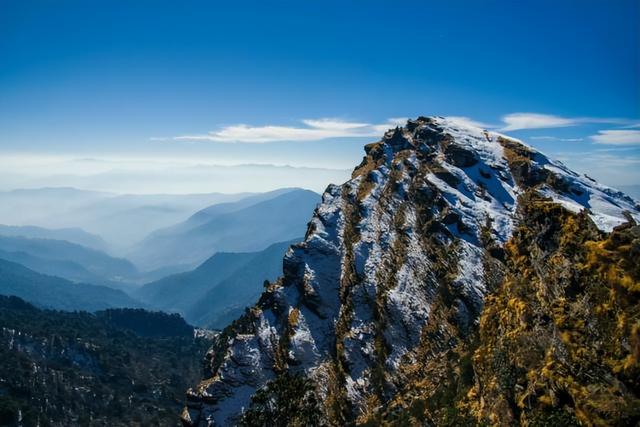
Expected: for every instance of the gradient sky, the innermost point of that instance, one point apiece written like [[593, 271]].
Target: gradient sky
[[160, 80]]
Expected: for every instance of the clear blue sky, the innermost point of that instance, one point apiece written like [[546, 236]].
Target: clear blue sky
[[91, 78]]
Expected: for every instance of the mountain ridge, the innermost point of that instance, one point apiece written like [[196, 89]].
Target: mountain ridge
[[120, 219], [391, 280], [58, 293], [220, 287], [90, 264], [231, 228], [70, 234]]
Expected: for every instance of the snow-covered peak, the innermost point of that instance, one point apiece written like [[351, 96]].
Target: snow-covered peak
[[399, 251], [606, 206]]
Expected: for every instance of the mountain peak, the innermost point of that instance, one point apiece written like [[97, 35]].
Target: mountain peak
[[394, 270], [468, 159]]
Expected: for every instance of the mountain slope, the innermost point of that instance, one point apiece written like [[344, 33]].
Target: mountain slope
[[559, 342], [65, 259], [71, 235], [219, 289], [385, 295], [54, 292], [178, 292], [114, 368], [61, 268], [228, 228], [228, 299], [128, 218], [211, 212]]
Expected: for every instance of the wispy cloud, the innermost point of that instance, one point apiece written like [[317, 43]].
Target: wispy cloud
[[555, 138], [517, 121], [312, 130], [617, 137], [325, 128], [520, 121], [623, 167]]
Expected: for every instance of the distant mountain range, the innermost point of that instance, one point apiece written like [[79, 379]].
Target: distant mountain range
[[248, 225], [72, 235], [219, 289], [64, 269], [121, 220], [54, 292], [132, 225], [213, 294], [68, 260]]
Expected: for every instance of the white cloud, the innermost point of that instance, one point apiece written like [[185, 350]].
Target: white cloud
[[555, 138], [313, 130], [617, 137], [324, 128], [335, 124], [519, 121]]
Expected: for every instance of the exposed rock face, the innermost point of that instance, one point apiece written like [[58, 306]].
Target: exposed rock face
[[383, 298]]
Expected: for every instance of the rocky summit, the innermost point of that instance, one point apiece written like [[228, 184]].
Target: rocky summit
[[460, 277]]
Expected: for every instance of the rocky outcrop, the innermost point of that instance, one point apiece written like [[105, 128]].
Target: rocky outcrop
[[379, 307]]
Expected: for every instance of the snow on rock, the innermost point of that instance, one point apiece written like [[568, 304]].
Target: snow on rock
[[359, 290], [605, 205]]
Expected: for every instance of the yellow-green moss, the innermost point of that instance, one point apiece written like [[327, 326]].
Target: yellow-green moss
[[554, 338], [557, 343]]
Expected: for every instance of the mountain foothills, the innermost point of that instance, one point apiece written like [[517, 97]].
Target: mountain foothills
[[57, 293], [218, 291], [459, 278], [71, 235], [114, 368], [65, 259]]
